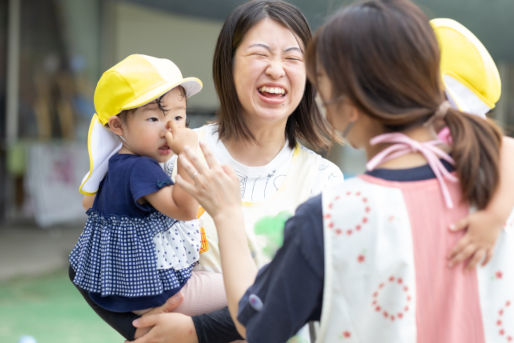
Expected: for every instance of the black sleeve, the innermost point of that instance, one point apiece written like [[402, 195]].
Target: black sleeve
[[288, 292], [121, 322], [215, 327]]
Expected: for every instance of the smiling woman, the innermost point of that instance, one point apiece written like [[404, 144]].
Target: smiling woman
[[269, 74], [267, 110], [265, 41], [259, 57]]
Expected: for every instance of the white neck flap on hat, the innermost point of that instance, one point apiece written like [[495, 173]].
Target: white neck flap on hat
[[102, 144], [471, 78], [464, 98]]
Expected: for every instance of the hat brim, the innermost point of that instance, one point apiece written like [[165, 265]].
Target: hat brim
[[465, 59], [191, 85]]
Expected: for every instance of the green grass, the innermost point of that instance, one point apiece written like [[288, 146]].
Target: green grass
[[50, 309]]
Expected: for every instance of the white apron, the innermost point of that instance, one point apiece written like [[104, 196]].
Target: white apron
[[370, 277]]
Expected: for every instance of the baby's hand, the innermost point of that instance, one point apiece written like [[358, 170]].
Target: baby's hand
[[478, 243], [180, 138]]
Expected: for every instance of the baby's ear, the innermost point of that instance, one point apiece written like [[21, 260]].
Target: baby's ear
[[115, 125]]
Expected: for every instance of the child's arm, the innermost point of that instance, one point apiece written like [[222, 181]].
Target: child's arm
[[174, 201], [87, 201], [484, 226]]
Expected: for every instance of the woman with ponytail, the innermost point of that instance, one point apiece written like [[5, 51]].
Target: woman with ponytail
[[376, 246]]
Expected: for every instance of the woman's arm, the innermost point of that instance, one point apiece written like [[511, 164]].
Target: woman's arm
[[214, 327], [166, 327], [484, 226], [285, 293], [290, 288], [238, 267], [217, 189]]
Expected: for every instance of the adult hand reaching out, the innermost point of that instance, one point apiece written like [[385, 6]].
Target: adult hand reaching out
[[215, 187]]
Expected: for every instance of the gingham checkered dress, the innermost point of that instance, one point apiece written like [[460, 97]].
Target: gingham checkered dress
[[116, 254]]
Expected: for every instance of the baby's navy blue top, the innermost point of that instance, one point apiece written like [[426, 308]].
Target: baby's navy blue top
[[288, 292], [115, 198], [133, 178]]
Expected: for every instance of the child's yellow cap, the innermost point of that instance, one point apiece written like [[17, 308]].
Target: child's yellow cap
[[470, 75], [137, 80], [133, 82]]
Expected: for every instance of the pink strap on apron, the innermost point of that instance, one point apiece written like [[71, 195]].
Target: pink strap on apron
[[402, 144]]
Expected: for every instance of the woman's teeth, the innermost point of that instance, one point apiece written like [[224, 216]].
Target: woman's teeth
[[272, 90]]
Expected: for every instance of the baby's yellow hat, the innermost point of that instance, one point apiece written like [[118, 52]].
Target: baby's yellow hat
[[471, 79], [131, 83], [137, 80]]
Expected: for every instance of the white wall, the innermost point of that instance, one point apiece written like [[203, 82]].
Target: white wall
[[187, 41]]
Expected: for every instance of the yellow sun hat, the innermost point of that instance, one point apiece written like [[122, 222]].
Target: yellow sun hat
[[137, 80], [133, 82], [470, 76]]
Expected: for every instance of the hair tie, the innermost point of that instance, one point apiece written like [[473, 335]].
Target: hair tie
[[440, 113]]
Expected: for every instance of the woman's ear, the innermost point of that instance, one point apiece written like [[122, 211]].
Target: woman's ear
[[116, 125], [353, 112]]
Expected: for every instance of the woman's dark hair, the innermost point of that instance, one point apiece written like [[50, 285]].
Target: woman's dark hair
[[383, 56], [306, 122]]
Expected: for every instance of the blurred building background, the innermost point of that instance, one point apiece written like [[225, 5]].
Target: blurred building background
[[52, 52]]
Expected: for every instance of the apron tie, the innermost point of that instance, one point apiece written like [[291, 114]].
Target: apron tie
[[402, 144]]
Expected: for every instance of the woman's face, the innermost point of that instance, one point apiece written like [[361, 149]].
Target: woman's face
[[354, 127], [269, 72], [333, 107]]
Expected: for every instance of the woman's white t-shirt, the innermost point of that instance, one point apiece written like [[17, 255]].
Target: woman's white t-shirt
[[270, 194]]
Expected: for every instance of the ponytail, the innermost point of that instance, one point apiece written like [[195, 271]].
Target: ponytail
[[476, 151]]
